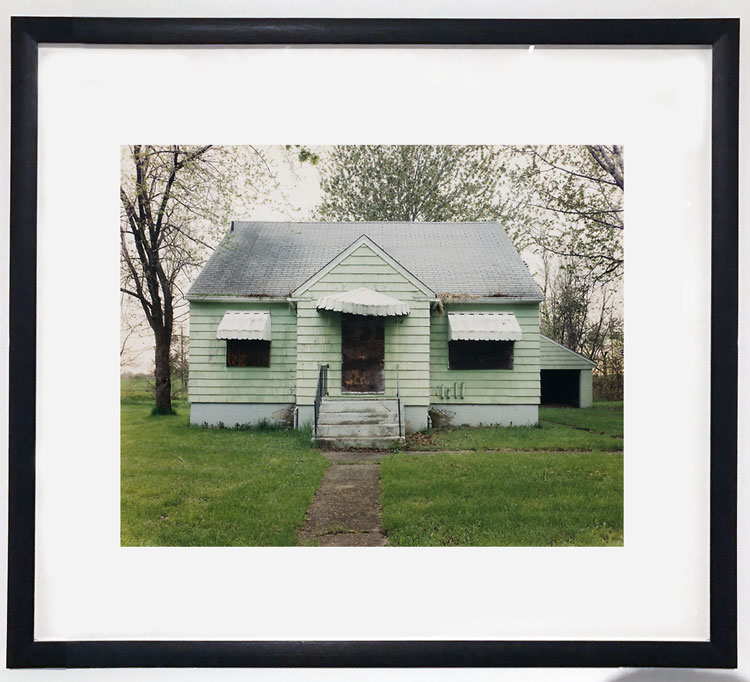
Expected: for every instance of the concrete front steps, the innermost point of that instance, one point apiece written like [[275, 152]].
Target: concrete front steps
[[360, 424]]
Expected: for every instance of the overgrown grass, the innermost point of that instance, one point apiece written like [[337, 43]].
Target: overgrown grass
[[191, 486], [187, 486], [139, 388], [546, 436], [559, 483], [560, 428], [503, 499], [601, 418]]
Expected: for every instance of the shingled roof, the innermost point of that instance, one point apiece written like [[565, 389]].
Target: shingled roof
[[453, 259]]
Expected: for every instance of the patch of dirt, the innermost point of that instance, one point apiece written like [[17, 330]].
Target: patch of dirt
[[419, 440], [355, 456]]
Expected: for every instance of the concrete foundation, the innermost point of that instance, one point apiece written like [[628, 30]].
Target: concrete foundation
[[232, 414], [415, 417], [450, 414], [305, 415]]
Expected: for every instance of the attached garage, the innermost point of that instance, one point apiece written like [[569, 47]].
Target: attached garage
[[565, 375]]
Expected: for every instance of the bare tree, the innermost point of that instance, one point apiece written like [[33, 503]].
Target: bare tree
[[172, 197], [580, 314]]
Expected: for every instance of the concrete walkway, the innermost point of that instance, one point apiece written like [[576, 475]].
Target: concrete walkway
[[346, 509]]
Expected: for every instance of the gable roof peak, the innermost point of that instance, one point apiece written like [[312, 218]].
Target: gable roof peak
[[363, 240]]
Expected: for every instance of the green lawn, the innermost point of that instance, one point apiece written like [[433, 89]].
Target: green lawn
[[546, 436], [188, 486], [503, 499], [557, 484], [601, 418]]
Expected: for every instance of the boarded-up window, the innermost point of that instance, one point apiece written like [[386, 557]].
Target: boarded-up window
[[480, 354], [244, 353], [362, 354]]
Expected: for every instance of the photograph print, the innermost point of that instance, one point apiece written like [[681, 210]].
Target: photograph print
[[372, 345]]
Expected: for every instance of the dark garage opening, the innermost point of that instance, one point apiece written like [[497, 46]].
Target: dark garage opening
[[561, 387]]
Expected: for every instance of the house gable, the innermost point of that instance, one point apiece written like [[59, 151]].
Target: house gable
[[363, 263], [407, 337]]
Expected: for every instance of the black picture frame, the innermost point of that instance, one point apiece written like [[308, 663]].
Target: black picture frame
[[721, 35]]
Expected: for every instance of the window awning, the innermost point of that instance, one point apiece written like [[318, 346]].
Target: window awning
[[363, 301], [245, 324], [484, 327]]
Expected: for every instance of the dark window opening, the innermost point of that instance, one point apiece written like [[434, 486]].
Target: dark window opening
[[480, 354], [244, 353]]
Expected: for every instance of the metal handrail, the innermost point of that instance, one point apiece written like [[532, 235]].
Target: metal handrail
[[320, 390], [398, 402]]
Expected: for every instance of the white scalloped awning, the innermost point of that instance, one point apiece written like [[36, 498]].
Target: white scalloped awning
[[484, 327], [245, 324], [363, 301]]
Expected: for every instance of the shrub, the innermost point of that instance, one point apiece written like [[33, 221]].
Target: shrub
[[608, 386]]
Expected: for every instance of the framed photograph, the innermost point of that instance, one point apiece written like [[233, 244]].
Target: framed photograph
[[346, 388]]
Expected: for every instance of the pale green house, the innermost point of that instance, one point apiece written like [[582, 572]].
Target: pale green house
[[365, 330]]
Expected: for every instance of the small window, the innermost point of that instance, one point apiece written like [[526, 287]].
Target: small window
[[480, 354], [244, 353]]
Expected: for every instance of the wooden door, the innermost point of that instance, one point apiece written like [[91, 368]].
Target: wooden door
[[362, 354]]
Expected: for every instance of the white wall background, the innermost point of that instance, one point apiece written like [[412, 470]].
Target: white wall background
[[477, 9]]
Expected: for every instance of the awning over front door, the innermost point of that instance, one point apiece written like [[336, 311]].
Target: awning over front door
[[363, 301], [245, 324], [484, 327]]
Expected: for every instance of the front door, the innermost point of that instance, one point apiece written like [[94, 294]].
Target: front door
[[362, 354]]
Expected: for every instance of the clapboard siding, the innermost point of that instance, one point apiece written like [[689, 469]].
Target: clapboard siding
[[407, 339], [496, 386], [303, 338], [554, 356], [212, 381]]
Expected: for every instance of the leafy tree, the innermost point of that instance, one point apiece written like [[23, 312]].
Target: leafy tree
[[564, 204], [172, 197], [574, 224], [574, 196], [412, 183]]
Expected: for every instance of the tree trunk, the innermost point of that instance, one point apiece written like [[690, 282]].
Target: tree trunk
[[161, 375]]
